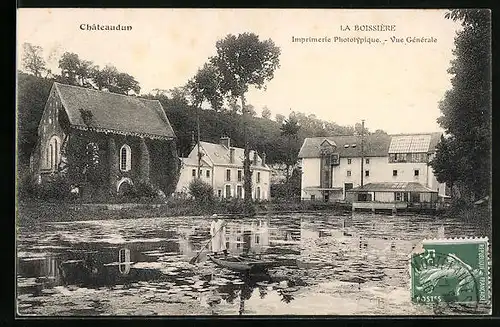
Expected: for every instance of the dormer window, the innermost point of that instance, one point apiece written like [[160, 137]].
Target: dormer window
[[346, 146], [354, 145]]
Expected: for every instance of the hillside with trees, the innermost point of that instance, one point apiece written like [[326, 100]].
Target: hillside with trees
[[217, 83]]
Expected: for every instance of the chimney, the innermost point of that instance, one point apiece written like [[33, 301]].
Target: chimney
[[225, 141], [263, 158], [255, 158], [231, 155]]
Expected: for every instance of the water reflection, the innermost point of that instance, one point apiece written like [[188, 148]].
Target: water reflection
[[247, 238], [151, 256]]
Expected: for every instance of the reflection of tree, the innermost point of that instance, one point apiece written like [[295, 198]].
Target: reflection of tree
[[245, 294], [285, 296], [230, 295], [246, 291], [262, 291]]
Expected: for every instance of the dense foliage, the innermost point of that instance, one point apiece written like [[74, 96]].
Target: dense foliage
[[243, 61], [464, 158], [201, 191]]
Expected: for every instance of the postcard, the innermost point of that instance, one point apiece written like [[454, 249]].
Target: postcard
[[248, 162]]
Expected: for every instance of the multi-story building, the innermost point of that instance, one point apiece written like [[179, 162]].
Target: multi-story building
[[221, 166], [333, 165]]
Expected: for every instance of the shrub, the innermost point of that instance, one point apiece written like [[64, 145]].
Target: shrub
[[239, 206], [25, 185], [55, 188], [127, 191], [201, 191], [146, 189]]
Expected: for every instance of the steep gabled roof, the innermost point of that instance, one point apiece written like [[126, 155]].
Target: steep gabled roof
[[192, 161], [375, 145], [115, 113], [218, 154]]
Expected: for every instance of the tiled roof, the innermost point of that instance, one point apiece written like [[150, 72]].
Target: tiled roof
[[393, 187], [192, 161], [375, 145], [115, 112], [219, 154]]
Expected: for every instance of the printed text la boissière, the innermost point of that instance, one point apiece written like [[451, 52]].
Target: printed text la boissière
[[382, 39]]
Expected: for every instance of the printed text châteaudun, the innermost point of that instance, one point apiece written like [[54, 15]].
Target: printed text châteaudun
[[101, 27]]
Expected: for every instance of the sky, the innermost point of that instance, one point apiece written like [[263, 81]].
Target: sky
[[395, 87]]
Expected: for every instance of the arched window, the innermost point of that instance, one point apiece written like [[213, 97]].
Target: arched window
[[125, 158], [53, 153]]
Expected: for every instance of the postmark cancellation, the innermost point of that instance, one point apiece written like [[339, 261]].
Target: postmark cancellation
[[451, 271]]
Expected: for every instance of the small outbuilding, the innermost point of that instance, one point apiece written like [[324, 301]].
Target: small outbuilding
[[395, 196]]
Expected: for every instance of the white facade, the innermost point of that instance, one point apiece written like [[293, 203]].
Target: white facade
[[226, 178], [347, 174]]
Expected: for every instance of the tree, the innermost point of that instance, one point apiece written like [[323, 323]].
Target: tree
[[32, 60], [290, 130], [206, 84], [233, 105], [359, 130], [448, 153], [76, 71], [266, 113], [250, 109], [179, 95], [98, 77], [126, 83], [380, 131], [466, 107], [279, 118], [245, 61]]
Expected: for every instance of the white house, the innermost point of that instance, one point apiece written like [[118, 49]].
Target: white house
[[222, 167], [332, 165]]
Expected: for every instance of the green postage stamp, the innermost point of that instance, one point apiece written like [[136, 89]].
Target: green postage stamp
[[452, 271]]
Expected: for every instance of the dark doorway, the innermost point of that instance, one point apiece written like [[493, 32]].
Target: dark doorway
[[363, 197], [247, 239]]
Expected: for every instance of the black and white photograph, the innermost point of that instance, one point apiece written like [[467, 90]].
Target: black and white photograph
[[253, 162]]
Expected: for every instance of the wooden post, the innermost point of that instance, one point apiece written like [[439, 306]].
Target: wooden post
[[362, 150], [198, 132]]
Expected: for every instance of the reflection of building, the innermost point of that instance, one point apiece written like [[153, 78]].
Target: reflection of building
[[185, 245], [50, 267], [252, 237], [124, 261]]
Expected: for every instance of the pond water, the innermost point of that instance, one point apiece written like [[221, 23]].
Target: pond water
[[327, 265]]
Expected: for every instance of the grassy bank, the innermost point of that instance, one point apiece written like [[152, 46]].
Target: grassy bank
[[470, 213], [35, 211]]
